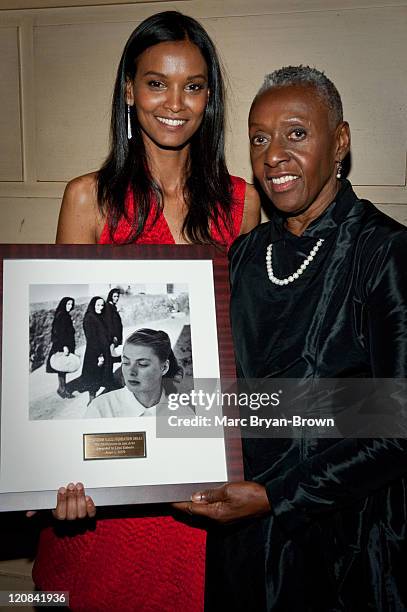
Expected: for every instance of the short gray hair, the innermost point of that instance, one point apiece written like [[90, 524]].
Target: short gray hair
[[305, 75]]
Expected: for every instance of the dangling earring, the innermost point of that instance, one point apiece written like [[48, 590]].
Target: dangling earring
[[129, 134], [339, 170]]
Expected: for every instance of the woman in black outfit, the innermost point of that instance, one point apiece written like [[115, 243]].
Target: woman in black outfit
[[319, 292], [113, 319], [63, 340], [97, 362]]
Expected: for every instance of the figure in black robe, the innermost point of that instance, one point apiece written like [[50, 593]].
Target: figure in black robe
[[336, 538], [63, 340], [113, 319], [97, 362]]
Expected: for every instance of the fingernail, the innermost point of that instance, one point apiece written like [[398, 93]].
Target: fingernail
[[196, 497], [71, 486], [61, 490], [79, 486]]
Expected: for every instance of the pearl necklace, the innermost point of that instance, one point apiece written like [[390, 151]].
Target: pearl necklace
[[297, 273]]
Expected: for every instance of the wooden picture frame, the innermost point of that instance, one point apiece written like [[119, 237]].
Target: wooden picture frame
[[40, 453]]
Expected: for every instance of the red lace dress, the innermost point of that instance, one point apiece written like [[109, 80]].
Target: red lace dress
[[140, 563]]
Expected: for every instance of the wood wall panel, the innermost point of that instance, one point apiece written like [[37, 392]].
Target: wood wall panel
[[36, 4], [28, 220], [397, 211], [251, 46], [11, 163], [372, 84], [75, 69]]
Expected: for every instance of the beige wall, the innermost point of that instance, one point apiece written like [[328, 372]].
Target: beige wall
[[58, 64]]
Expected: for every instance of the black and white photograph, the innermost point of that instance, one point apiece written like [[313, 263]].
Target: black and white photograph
[[107, 350]]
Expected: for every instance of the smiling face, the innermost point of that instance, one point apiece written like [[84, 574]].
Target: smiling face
[[99, 305], [170, 93], [295, 148], [115, 297], [142, 370]]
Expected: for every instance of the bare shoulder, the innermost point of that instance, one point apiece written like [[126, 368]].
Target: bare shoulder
[[251, 211], [82, 188], [80, 221]]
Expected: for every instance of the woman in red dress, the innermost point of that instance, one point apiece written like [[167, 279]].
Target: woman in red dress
[[165, 181]]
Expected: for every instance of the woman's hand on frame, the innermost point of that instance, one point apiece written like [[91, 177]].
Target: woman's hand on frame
[[72, 503], [228, 503]]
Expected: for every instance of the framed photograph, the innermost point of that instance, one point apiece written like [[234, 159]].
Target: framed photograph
[[95, 341]]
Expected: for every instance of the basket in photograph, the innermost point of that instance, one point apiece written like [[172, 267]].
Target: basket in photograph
[[65, 363]]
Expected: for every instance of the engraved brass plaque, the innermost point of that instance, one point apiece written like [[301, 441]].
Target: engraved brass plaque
[[117, 445]]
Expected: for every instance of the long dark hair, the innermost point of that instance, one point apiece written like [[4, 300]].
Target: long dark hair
[[111, 293], [62, 304], [207, 189], [91, 306]]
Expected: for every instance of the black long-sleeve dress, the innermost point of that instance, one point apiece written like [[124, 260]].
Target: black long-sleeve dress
[[113, 323], [62, 334], [97, 344], [336, 538]]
